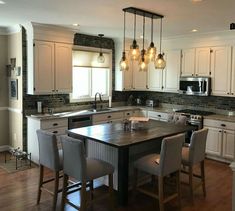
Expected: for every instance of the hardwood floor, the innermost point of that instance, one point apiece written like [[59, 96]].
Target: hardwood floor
[[18, 192]]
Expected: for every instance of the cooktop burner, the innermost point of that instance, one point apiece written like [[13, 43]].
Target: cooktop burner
[[195, 112]]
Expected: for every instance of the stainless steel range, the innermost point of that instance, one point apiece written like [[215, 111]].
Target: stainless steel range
[[195, 117]]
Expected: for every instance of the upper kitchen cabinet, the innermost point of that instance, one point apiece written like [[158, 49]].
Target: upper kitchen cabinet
[[166, 80], [139, 77], [221, 71], [196, 62], [49, 56]]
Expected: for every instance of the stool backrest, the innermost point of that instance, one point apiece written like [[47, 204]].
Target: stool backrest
[[177, 119], [74, 158], [48, 150], [197, 146], [171, 154]]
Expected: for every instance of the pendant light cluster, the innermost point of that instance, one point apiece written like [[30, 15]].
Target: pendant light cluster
[[143, 56]]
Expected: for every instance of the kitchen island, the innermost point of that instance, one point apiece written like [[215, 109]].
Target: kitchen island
[[120, 141]]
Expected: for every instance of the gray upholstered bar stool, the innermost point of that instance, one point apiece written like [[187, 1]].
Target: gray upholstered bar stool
[[162, 165], [84, 170], [193, 155], [50, 157]]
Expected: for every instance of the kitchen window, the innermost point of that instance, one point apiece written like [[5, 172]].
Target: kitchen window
[[89, 76]]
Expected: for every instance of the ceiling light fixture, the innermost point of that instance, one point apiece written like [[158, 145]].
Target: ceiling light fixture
[[194, 30], [143, 58], [124, 62], [75, 24], [100, 58], [2, 2], [160, 63], [134, 49]]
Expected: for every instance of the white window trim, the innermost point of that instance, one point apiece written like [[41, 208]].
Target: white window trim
[[104, 97]]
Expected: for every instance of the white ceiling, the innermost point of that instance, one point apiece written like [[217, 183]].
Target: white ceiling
[[106, 16]]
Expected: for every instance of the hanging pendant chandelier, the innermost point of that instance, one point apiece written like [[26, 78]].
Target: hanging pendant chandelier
[[100, 58], [160, 63], [145, 56], [124, 66], [134, 48]]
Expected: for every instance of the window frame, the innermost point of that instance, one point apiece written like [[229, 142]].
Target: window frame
[[109, 82]]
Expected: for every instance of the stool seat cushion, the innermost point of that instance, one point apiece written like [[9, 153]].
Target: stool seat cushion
[[98, 168], [149, 164]]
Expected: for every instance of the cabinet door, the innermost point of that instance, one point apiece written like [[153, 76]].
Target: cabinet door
[[221, 70], [139, 77], [172, 71], [188, 62], [214, 141], [202, 62], [154, 78], [43, 67], [63, 68], [228, 144]]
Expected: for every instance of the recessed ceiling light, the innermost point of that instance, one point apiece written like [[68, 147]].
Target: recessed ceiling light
[[2, 2], [196, 0], [194, 30], [75, 24]]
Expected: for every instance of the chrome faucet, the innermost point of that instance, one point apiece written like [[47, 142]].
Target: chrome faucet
[[100, 96]]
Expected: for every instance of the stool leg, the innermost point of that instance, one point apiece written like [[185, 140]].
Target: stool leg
[[83, 197], [41, 171], [135, 181], [64, 193], [203, 177], [191, 182], [161, 193], [111, 193], [178, 188], [56, 187]]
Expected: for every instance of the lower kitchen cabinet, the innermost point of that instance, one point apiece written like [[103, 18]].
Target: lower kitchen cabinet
[[57, 126], [161, 116], [220, 140], [107, 118]]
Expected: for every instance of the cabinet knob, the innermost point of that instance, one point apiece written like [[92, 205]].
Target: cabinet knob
[[108, 116], [192, 74], [227, 93], [225, 132], [232, 93], [55, 124], [223, 125], [55, 132], [196, 74], [220, 131]]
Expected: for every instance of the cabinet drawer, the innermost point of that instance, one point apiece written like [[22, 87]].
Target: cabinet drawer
[[107, 116], [54, 123], [157, 115], [219, 124], [58, 130]]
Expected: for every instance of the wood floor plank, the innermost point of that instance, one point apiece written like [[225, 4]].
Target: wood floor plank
[[18, 192]]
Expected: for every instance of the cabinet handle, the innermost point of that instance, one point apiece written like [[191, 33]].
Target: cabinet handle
[[55, 124], [55, 132], [196, 74], [227, 93], [220, 131], [192, 74], [223, 125], [159, 115], [127, 114], [224, 131], [232, 93], [109, 116]]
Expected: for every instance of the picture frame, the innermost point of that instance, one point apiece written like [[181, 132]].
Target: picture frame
[[14, 89]]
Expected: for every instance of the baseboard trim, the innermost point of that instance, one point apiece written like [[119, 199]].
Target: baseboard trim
[[4, 148]]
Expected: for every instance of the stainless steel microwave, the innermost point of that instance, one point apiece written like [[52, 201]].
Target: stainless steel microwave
[[200, 86]]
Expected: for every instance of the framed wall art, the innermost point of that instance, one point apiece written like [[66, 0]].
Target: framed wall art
[[14, 89]]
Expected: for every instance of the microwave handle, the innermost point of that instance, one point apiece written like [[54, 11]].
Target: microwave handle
[[202, 86]]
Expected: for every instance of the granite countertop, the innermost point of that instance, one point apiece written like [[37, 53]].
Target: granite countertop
[[221, 117]]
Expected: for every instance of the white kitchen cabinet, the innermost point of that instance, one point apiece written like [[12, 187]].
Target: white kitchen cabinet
[[156, 115], [232, 90], [202, 66], [171, 73], [188, 62], [221, 70], [53, 67], [220, 139], [139, 77], [107, 118], [166, 80], [57, 126]]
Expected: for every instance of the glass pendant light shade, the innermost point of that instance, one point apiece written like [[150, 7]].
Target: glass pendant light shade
[[100, 58], [152, 52], [143, 62], [160, 63], [134, 51], [124, 66]]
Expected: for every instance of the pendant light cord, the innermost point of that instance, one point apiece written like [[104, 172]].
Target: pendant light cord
[[124, 31], [152, 29], [161, 36], [135, 26], [143, 30]]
